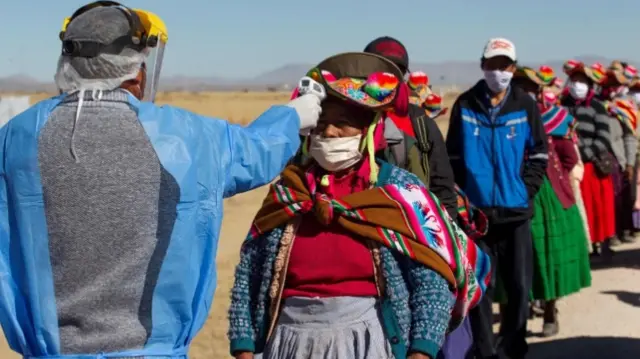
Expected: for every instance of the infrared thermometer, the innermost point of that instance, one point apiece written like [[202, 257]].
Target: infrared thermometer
[[307, 85]]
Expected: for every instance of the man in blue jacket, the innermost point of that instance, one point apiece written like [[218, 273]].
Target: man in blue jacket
[[498, 150], [111, 207]]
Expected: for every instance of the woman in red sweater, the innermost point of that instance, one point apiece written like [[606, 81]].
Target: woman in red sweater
[[350, 257]]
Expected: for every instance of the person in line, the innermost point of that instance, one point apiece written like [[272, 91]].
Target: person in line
[[436, 170], [459, 342], [561, 258], [594, 142], [634, 95], [498, 151], [349, 256], [111, 206], [624, 143], [552, 94]]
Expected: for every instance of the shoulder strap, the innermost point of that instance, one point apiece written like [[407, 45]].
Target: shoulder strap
[[418, 119], [399, 152]]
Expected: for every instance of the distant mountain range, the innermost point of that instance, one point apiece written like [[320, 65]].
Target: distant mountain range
[[460, 73]]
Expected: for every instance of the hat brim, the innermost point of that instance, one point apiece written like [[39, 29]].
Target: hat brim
[[532, 75], [495, 54], [352, 70], [591, 75], [618, 76]]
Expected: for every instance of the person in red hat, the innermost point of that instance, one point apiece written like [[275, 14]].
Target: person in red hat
[[623, 129], [594, 142], [634, 95], [433, 152]]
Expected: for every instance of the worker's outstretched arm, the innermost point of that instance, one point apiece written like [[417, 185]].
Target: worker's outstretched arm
[[254, 155]]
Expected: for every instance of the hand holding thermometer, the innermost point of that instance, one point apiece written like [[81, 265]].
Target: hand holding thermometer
[[307, 85]]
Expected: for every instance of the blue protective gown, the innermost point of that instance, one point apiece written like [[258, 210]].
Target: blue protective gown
[[210, 159]]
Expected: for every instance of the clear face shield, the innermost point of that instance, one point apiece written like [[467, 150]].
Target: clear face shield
[[155, 27], [153, 69]]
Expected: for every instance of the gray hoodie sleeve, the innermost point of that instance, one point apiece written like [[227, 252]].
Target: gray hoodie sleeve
[[630, 147]]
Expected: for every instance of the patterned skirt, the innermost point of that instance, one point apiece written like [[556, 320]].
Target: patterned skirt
[[329, 328]]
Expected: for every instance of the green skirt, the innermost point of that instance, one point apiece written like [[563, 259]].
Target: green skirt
[[560, 255]]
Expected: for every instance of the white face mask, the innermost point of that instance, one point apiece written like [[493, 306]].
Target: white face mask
[[578, 90], [336, 154], [636, 97], [498, 81]]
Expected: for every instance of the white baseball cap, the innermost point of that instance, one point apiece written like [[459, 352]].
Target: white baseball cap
[[499, 47]]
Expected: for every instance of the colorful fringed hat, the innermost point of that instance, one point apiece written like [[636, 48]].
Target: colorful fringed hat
[[421, 95], [418, 83], [626, 112], [595, 72], [543, 77], [621, 73], [433, 106], [364, 79], [555, 87]]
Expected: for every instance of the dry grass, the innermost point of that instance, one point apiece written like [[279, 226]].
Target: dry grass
[[238, 108]]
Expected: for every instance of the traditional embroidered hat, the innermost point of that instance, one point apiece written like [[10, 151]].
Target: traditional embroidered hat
[[626, 112], [621, 73], [422, 95], [544, 76], [418, 83], [365, 79], [433, 106], [595, 72]]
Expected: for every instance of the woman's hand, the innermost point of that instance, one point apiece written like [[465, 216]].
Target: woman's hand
[[244, 355], [418, 356]]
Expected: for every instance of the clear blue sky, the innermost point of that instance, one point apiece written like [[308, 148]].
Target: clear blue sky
[[237, 38]]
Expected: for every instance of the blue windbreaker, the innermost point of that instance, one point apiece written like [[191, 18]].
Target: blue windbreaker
[[210, 159], [498, 155]]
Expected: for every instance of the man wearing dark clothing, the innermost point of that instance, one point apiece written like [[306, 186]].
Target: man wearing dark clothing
[[498, 151], [440, 175]]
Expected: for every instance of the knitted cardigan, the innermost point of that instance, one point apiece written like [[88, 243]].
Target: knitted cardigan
[[415, 309]]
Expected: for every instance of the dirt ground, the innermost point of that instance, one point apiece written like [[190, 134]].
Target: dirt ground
[[600, 322]]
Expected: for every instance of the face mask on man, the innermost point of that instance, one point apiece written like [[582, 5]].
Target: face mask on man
[[498, 81], [336, 154], [636, 97], [578, 90]]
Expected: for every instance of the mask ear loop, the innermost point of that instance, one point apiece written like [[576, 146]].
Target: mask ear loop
[[369, 144], [74, 153]]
